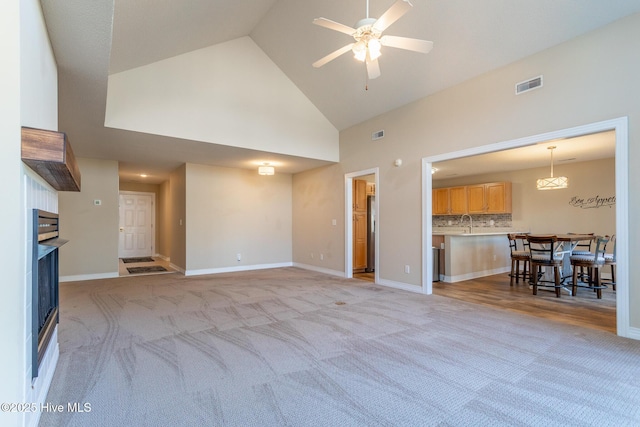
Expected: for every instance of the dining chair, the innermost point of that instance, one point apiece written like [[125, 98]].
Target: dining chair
[[610, 260], [517, 255], [582, 247], [544, 253], [593, 263]]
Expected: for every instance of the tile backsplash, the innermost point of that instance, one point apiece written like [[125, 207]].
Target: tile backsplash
[[480, 220]]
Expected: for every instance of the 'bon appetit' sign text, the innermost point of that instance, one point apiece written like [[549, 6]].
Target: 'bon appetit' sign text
[[592, 202]]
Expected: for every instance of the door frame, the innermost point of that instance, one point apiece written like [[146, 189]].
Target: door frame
[[620, 126], [153, 217], [348, 221]]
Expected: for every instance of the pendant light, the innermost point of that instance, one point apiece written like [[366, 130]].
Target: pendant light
[[552, 183]]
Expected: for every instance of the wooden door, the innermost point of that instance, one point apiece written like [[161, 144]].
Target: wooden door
[[458, 200], [136, 227], [476, 198], [440, 201]]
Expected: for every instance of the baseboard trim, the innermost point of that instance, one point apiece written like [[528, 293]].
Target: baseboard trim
[[235, 269], [81, 277], [400, 285], [475, 275], [319, 269], [634, 333]]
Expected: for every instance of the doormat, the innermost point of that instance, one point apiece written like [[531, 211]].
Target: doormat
[[139, 259], [152, 269]]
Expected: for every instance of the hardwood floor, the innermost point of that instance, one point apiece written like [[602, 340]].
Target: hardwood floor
[[584, 309]]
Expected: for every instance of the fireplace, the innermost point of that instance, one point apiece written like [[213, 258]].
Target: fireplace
[[45, 283]]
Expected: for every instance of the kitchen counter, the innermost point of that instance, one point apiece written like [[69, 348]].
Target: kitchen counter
[[484, 252], [476, 232]]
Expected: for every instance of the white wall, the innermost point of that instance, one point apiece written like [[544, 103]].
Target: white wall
[[92, 230], [229, 94], [28, 84], [12, 294], [236, 211]]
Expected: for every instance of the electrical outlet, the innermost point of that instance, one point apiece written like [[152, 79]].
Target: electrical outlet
[[239, 256], [311, 255], [321, 257], [407, 269]]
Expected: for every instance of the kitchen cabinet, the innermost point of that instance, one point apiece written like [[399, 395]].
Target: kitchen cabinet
[[458, 200], [490, 198], [371, 189], [440, 201], [359, 195], [449, 201], [359, 241]]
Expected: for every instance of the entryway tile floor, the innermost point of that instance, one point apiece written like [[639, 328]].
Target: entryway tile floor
[[157, 261]]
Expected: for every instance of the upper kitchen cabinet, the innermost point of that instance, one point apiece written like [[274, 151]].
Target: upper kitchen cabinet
[[457, 200], [449, 201], [491, 198], [440, 201]]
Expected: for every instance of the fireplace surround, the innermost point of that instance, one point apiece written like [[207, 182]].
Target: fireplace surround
[[45, 281]]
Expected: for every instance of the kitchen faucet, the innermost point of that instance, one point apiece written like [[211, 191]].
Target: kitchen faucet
[[470, 222]]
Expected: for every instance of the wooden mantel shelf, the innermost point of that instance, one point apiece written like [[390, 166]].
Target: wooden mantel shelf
[[49, 154]]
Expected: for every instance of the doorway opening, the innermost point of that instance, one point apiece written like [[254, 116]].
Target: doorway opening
[[620, 126], [362, 225], [136, 235]]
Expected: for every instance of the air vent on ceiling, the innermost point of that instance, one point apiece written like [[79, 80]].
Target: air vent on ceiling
[[377, 135], [528, 85]]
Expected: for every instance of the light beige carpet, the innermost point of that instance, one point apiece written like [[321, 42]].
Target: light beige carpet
[[288, 347]]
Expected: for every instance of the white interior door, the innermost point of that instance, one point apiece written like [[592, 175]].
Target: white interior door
[[136, 225]]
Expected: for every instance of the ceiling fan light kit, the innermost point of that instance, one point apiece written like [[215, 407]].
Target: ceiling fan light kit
[[369, 39]]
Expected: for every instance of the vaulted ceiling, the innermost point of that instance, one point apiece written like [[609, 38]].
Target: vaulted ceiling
[[92, 39]]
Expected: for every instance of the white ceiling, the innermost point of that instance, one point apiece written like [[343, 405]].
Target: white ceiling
[[94, 38]]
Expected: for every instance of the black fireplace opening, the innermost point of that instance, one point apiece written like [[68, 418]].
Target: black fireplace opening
[[45, 283]]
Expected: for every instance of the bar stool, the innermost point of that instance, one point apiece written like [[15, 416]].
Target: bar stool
[[517, 256], [593, 263], [543, 254]]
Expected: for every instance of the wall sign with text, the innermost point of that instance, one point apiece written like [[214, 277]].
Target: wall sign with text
[[592, 202]]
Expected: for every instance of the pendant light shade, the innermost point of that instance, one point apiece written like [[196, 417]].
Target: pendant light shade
[[552, 183]]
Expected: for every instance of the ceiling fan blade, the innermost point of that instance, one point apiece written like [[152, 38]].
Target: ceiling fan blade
[[333, 55], [332, 25], [407, 43], [373, 68], [399, 8]]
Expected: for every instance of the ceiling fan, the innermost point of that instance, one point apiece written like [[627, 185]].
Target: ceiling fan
[[369, 39]]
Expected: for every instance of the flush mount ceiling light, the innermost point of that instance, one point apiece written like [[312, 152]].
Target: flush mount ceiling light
[[266, 169], [552, 183], [369, 39]]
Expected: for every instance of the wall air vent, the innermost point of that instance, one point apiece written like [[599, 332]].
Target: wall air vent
[[528, 85], [377, 135]]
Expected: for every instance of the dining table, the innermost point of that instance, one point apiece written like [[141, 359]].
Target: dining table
[[567, 242]]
